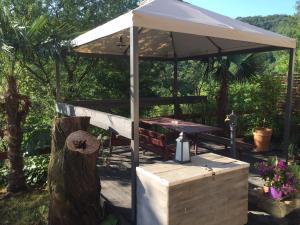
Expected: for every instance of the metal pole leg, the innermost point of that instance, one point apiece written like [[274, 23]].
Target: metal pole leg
[[288, 105], [232, 120]]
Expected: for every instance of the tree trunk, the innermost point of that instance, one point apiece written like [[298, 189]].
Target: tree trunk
[[222, 100], [16, 177], [177, 109], [73, 180]]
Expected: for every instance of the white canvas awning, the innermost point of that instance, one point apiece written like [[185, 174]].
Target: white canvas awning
[[172, 28], [167, 30]]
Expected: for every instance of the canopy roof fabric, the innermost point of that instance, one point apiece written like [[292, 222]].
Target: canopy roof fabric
[[171, 29]]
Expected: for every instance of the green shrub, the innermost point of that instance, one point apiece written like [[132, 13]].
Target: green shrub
[[38, 140], [256, 101], [35, 168], [3, 173], [295, 169]]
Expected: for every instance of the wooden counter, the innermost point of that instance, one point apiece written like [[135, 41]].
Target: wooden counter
[[211, 190]]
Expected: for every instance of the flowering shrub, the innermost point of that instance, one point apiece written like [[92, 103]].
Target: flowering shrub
[[280, 177]]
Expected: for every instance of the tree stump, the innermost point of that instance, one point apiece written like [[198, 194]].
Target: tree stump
[[73, 180]]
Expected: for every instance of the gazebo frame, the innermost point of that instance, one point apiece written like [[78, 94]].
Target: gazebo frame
[[129, 127]]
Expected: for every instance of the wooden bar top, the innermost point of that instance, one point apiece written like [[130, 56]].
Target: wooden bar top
[[171, 173]]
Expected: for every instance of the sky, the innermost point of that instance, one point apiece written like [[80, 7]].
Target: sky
[[243, 8]]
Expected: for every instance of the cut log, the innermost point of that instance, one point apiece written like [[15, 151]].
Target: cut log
[[73, 180]]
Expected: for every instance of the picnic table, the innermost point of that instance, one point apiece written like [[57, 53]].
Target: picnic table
[[186, 127], [189, 128]]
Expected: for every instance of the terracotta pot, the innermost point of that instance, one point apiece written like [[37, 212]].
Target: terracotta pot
[[266, 189], [262, 139]]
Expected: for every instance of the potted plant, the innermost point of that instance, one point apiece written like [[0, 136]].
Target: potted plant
[[266, 110], [280, 179], [266, 172], [262, 137]]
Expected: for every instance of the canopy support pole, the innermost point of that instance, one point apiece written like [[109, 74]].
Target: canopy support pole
[[177, 109], [134, 109], [288, 104]]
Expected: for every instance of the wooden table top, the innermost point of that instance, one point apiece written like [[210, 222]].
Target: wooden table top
[[180, 126], [206, 165]]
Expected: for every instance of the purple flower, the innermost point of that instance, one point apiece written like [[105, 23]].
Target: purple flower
[[277, 178], [288, 189], [281, 165], [290, 178]]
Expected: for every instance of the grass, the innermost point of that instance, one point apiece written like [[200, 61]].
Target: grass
[[30, 208]]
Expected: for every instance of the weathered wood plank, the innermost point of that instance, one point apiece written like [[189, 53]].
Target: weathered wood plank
[[144, 102], [106, 121], [210, 190]]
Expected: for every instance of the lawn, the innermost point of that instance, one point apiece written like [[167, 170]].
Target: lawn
[[29, 208]]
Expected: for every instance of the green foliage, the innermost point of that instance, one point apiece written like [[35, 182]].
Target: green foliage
[[295, 169], [35, 168], [38, 140], [269, 93], [110, 220], [3, 174], [36, 33], [257, 100], [293, 151]]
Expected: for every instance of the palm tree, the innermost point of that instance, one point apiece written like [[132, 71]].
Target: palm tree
[[226, 70], [15, 43]]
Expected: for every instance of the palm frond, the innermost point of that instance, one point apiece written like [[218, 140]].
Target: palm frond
[[37, 27], [249, 66]]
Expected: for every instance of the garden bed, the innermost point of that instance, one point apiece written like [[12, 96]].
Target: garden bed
[[279, 209]]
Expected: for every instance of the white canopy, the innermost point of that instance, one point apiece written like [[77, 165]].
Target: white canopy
[[174, 29]]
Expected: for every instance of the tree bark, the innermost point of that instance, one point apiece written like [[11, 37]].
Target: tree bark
[[222, 100], [73, 179], [177, 109], [16, 177]]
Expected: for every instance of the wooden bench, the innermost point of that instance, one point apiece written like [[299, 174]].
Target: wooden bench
[[149, 141], [240, 145], [155, 142], [116, 141]]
